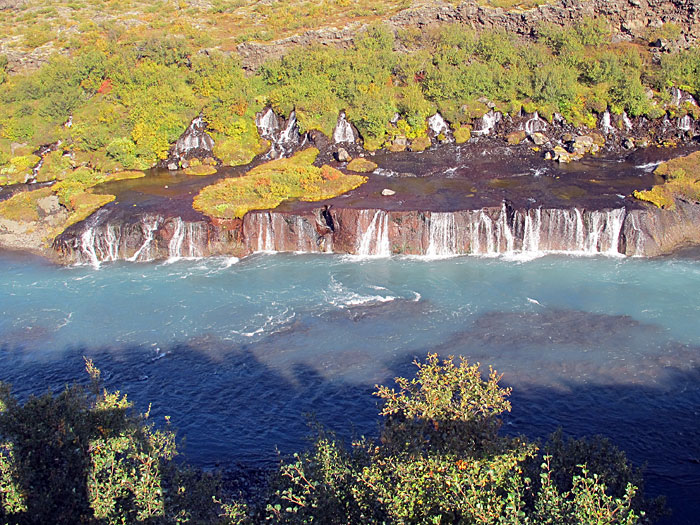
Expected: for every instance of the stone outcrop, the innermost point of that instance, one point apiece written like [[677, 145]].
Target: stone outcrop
[[629, 19], [195, 142], [644, 231]]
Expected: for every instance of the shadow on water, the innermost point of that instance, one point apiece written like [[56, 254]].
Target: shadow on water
[[236, 411]]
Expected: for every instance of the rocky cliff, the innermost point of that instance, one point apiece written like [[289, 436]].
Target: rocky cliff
[[630, 19]]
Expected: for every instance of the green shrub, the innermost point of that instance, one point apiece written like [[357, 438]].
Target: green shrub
[[440, 459], [85, 456]]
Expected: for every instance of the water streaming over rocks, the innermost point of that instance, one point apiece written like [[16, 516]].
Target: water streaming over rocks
[[535, 124], [439, 127], [486, 124], [194, 142], [374, 240], [284, 135], [343, 133], [489, 231]]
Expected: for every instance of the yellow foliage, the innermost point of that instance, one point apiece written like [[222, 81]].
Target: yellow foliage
[[268, 185]]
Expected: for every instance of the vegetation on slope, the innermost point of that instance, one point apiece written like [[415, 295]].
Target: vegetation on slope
[[118, 96], [268, 185], [681, 180], [73, 192], [84, 456]]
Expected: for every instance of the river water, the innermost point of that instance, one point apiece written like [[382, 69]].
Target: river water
[[239, 353]]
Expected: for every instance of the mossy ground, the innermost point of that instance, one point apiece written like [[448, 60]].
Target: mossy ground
[[361, 165], [268, 185], [681, 180], [74, 192]]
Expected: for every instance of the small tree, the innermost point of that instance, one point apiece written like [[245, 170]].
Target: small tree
[[84, 456], [440, 459]]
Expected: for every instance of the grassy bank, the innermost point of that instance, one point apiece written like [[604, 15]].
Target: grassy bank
[[681, 181], [268, 185]]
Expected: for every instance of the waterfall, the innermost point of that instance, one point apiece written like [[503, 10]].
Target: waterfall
[[439, 126], [268, 124], [535, 124], [604, 231], [266, 237], [487, 123], [482, 227], [626, 121], [685, 123], [506, 230], [144, 252], [531, 233], [112, 239], [283, 141], [375, 240], [175, 245], [343, 130], [442, 235], [605, 125], [614, 221], [87, 247]]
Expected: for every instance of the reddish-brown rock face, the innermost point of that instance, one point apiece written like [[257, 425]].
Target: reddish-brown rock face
[[376, 232]]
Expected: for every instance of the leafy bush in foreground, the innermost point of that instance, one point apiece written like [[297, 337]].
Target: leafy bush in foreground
[[83, 456], [440, 459]]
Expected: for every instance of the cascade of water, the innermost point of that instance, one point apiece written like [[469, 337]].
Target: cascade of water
[[605, 125], [676, 96], [175, 245], [614, 220], [685, 123], [193, 233], [580, 233], [488, 122], [531, 233], [87, 247], [535, 124], [626, 121], [595, 223], [442, 235], [343, 130], [438, 125], [268, 123], [375, 240], [266, 239], [112, 238], [144, 252], [507, 231], [290, 134], [482, 234]]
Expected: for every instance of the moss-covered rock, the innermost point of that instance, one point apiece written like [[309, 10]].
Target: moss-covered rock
[[420, 143], [462, 134], [516, 137], [201, 170], [361, 165], [682, 180]]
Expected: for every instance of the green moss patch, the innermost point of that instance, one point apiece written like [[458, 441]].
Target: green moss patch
[[681, 180], [361, 165], [201, 170], [268, 185]]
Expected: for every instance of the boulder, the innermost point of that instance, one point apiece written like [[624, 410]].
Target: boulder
[[342, 155], [539, 138], [387, 192], [49, 205], [420, 144], [516, 137]]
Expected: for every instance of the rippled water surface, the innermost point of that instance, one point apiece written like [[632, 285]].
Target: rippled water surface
[[239, 352]]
